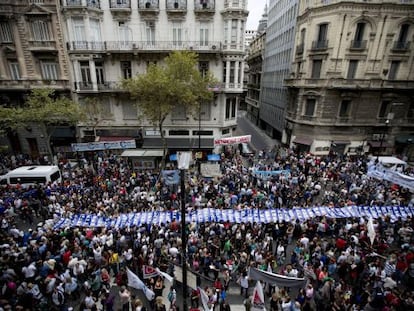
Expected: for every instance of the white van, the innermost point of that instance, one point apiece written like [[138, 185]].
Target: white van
[[32, 175]]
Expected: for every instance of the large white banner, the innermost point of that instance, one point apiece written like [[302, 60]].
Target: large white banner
[[104, 145], [235, 216], [232, 140], [380, 172]]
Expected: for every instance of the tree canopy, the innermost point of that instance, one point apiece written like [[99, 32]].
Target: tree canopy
[[177, 82]]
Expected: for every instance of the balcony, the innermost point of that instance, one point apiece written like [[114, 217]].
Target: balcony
[[358, 45], [148, 7], [120, 6], [235, 5], [36, 45], [319, 45], [401, 46], [300, 48], [143, 46], [76, 4], [29, 84], [204, 7], [176, 7]]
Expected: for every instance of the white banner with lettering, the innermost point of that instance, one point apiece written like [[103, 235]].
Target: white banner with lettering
[[380, 172], [232, 140], [234, 216]]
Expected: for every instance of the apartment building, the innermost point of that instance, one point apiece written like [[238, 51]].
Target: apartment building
[[111, 40], [351, 87], [32, 55]]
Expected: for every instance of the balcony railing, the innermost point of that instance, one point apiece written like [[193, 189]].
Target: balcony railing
[[320, 45], [235, 4], [401, 46], [36, 44], [149, 5], [204, 5], [176, 5], [27, 84], [134, 46], [120, 4], [82, 3], [358, 44]]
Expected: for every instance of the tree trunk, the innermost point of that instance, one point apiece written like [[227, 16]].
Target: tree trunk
[[164, 146]]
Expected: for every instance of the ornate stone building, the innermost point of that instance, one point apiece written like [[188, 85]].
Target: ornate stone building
[[351, 86], [33, 55]]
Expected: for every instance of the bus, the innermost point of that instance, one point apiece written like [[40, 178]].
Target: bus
[[32, 175]]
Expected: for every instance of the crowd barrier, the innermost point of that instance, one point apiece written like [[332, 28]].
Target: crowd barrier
[[234, 216]]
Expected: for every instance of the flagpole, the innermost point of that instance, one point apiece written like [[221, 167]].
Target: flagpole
[[183, 240]]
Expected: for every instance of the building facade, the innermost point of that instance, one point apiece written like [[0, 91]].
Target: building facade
[[33, 55], [280, 41], [351, 86], [111, 40]]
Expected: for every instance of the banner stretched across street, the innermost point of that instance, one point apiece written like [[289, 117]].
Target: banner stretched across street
[[232, 140], [248, 215]]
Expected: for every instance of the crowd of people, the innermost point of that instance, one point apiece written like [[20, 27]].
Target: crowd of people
[[45, 268]]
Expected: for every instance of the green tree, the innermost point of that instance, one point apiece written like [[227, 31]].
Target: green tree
[[178, 82], [45, 109]]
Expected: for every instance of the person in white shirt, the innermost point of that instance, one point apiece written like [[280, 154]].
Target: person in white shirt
[[29, 271]]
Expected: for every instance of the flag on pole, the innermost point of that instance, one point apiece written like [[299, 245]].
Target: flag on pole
[[165, 275], [171, 177], [148, 272], [204, 299], [135, 282], [258, 303], [371, 230]]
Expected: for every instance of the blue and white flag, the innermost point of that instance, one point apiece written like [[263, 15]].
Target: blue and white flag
[[171, 177], [135, 282]]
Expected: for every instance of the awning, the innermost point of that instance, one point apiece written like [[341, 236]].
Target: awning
[[139, 153], [405, 139], [341, 142], [303, 140], [179, 143], [114, 138], [377, 144]]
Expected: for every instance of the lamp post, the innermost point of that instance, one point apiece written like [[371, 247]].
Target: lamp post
[[183, 159]]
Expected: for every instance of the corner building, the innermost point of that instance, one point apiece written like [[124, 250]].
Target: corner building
[[110, 40], [352, 78]]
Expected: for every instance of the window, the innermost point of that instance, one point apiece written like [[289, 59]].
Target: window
[[204, 112], [233, 108], [95, 33], [224, 71], [230, 108], [50, 70], [203, 68], [179, 113], [392, 75], [85, 73], [233, 31], [124, 34], [40, 31], [177, 34], [100, 77], [204, 34], [129, 111], [232, 71], [316, 68], [385, 106], [359, 32], [126, 69], [225, 132], [310, 107], [322, 34], [352, 69], [14, 70], [150, 32], [79, 33], [203, 133], [402, 38], [410, 112], [345, 108], [5, 32], [302, 36]]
